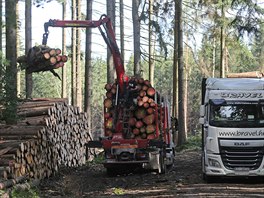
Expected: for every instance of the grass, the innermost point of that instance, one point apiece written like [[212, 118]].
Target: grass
[[25, 193], [192, 143]]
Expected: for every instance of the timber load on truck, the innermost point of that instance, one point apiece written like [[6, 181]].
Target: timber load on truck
[[137, 121]]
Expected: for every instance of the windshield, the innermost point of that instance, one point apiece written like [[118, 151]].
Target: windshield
[[237, 114]]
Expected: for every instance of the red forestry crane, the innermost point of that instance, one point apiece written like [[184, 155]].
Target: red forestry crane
[[104, 25]]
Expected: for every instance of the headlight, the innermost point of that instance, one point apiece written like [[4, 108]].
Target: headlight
[[214, 163]]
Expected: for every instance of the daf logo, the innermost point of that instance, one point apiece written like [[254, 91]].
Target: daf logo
[[241, 143]]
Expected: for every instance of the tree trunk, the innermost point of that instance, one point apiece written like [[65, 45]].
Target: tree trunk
[[136, 35], [88, 65], [18, 54], [181, 102], [122, 43], [1, 47], [151, 47], [186, 84], [28, 44], [175, 66], [11, 56], [110, 64], [73, 60], [78, 59], [222, 42], [64, 69]]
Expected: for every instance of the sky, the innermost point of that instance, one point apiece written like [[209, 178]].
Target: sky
[[53, 10]]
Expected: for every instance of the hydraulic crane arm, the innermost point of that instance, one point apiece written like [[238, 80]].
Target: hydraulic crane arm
[[107, 34]]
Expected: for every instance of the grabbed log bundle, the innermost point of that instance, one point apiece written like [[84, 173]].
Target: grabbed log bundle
[[42, 58]]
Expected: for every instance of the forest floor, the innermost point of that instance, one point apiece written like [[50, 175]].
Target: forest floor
[[184, 179]]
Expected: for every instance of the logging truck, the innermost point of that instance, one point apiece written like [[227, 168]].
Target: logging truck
[[232, 118], [137, 122]]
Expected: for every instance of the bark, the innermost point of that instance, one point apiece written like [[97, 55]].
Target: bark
[[151, 46], [222, 43], [88, 65], [78, 59], [18, 53], [1, 47], [181, 98], [136, 35], [110, 63], [11, 56], [175, 66], [73, 60], [28, 45], [64, 69], [122, 43]]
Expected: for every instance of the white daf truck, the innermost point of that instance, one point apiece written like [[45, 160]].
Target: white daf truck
[[232, 118]]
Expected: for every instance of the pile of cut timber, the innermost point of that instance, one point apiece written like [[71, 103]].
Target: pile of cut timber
[[42, 58], [51, 133]]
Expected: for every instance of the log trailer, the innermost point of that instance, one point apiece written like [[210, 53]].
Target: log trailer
[[124, 147]]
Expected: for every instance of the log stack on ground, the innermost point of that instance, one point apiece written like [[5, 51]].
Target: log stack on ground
[[51, 134], [42, 58], [143, 104]]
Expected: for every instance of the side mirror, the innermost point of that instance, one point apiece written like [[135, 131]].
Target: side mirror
[[202, 111]]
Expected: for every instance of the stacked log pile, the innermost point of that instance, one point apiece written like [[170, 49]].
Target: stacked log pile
[[42, 58], [51, 133], [144, 111]]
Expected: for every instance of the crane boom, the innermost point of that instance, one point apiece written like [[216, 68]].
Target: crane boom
[[107, 33]]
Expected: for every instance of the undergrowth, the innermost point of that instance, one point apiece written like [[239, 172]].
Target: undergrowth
[[192, 143]]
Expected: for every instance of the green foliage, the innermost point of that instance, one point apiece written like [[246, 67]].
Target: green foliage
[[46, 85], [258, 47], [99, 79], [41, 3], [27, 193], [7, 96], [192, 143], [98, 159], [118, 191], [248, 18]]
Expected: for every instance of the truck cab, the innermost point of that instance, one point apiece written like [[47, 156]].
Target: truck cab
[[232, 119]]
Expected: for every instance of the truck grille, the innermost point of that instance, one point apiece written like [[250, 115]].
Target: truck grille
[[241, 157]]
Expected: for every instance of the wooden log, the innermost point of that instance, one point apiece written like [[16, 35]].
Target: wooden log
[[50, 99], [21, 130], [52, 60], [32, 112], [18, 137], [58, 51], [52, 52], [64, 58], [5, 150], [37, 120], [46, 56], [253, 74], [11, 182]]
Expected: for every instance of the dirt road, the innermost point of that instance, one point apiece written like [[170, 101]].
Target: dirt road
[[184, 179]]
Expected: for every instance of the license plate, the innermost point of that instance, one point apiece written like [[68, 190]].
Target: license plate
[[241, 171]]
